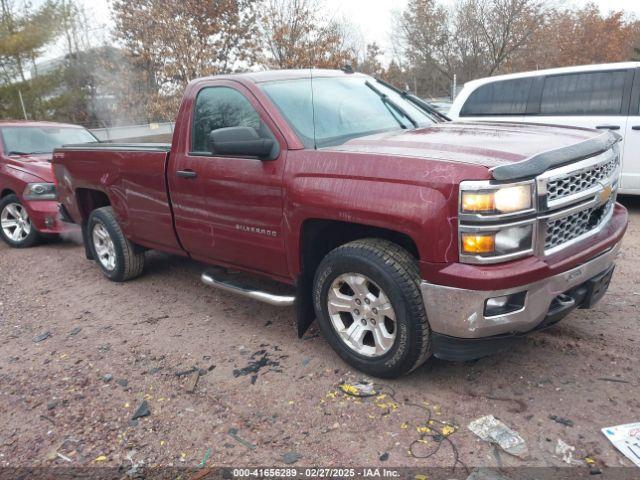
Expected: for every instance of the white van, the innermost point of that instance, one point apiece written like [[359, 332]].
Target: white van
[[606, 97]]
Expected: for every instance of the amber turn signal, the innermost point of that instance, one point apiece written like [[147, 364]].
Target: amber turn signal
[[474, 243], [478, 202]]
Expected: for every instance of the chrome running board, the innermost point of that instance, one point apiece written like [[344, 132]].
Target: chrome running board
[[228, 286]]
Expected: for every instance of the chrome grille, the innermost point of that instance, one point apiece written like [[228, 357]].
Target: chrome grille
[[581, 181], [572, 226]]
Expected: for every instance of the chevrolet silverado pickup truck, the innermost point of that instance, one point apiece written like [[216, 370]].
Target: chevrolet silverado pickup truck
[[28, 206], [405, 235]]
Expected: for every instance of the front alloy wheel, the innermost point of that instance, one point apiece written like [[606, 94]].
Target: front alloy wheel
[[15, 222], [369, 306], [16, 228], [362, 314]]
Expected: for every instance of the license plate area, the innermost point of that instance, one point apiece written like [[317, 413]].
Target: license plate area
[[597, 287]]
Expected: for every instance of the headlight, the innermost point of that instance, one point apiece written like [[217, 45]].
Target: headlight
[[496, 221], [40, 191], [496, 199]]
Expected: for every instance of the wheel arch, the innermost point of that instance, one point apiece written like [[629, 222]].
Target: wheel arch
[[7, 191], [89, 200], [319, 236]]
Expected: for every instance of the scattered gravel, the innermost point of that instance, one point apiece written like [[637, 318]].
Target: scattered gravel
[[62, 326]]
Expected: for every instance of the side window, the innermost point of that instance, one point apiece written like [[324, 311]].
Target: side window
[[506, 97], [589, 93], [220, 107]]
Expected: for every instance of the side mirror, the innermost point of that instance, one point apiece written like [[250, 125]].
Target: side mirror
[[242, 141]]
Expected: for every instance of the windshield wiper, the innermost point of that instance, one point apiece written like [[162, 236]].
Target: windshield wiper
[[395, 115], [385, 98], [415, 100]]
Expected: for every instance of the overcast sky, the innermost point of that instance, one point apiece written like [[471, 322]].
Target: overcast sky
[[373, 18]]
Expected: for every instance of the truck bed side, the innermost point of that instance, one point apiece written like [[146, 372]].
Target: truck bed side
[[129, 177]]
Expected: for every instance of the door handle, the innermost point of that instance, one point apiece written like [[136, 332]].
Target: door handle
[[635, 127], [186, 174], [608, 127]]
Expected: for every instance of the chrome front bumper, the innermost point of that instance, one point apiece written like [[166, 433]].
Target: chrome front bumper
[[457, 312]]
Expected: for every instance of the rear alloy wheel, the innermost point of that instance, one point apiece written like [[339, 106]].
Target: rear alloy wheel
[[15, 224], [103, 246], [117, 257]]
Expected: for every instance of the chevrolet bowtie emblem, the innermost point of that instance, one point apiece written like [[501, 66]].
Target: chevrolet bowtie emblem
[[605, 193]]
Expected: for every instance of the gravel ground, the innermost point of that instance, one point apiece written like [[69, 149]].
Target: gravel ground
[[79, 355]]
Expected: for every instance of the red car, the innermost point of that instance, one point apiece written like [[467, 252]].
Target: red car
[[28, 205], [406, 235]]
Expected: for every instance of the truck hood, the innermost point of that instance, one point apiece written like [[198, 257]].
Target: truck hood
[[36, 165], [492, 144]]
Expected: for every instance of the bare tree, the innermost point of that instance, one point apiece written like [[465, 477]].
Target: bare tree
[[506, 26], [474, 38], [423, 31]]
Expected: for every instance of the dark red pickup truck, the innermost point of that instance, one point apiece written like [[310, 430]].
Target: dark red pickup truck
[[405, 235]]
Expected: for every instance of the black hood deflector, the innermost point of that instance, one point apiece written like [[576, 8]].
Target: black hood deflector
[[541, 162]]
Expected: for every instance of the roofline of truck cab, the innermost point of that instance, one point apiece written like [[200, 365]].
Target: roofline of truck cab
[[281, 75]]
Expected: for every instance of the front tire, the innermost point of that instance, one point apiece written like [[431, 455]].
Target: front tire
[[369, 307], [16, 228], [116, 256]]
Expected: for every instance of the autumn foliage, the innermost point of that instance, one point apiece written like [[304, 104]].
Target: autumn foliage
[[299, 34], [576, 37], [174, 41]]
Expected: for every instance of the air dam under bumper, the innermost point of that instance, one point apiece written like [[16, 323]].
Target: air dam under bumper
[[457, 316]]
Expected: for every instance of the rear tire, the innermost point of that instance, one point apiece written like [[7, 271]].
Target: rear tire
[[16, 228], [350, 284], [117, 257]]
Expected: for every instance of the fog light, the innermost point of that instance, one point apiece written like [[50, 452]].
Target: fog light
[[475, 243], [49, 222], [504, 304]]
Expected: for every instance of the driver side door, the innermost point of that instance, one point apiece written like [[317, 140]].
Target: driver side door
[[229, 209]]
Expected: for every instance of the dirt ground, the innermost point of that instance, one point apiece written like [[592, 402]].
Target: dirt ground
[[79, 354]]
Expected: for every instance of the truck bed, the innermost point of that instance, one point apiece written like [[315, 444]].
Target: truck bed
[[132, 176]]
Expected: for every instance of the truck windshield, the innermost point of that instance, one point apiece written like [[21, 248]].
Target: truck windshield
[[42, 139], [339, 109]]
